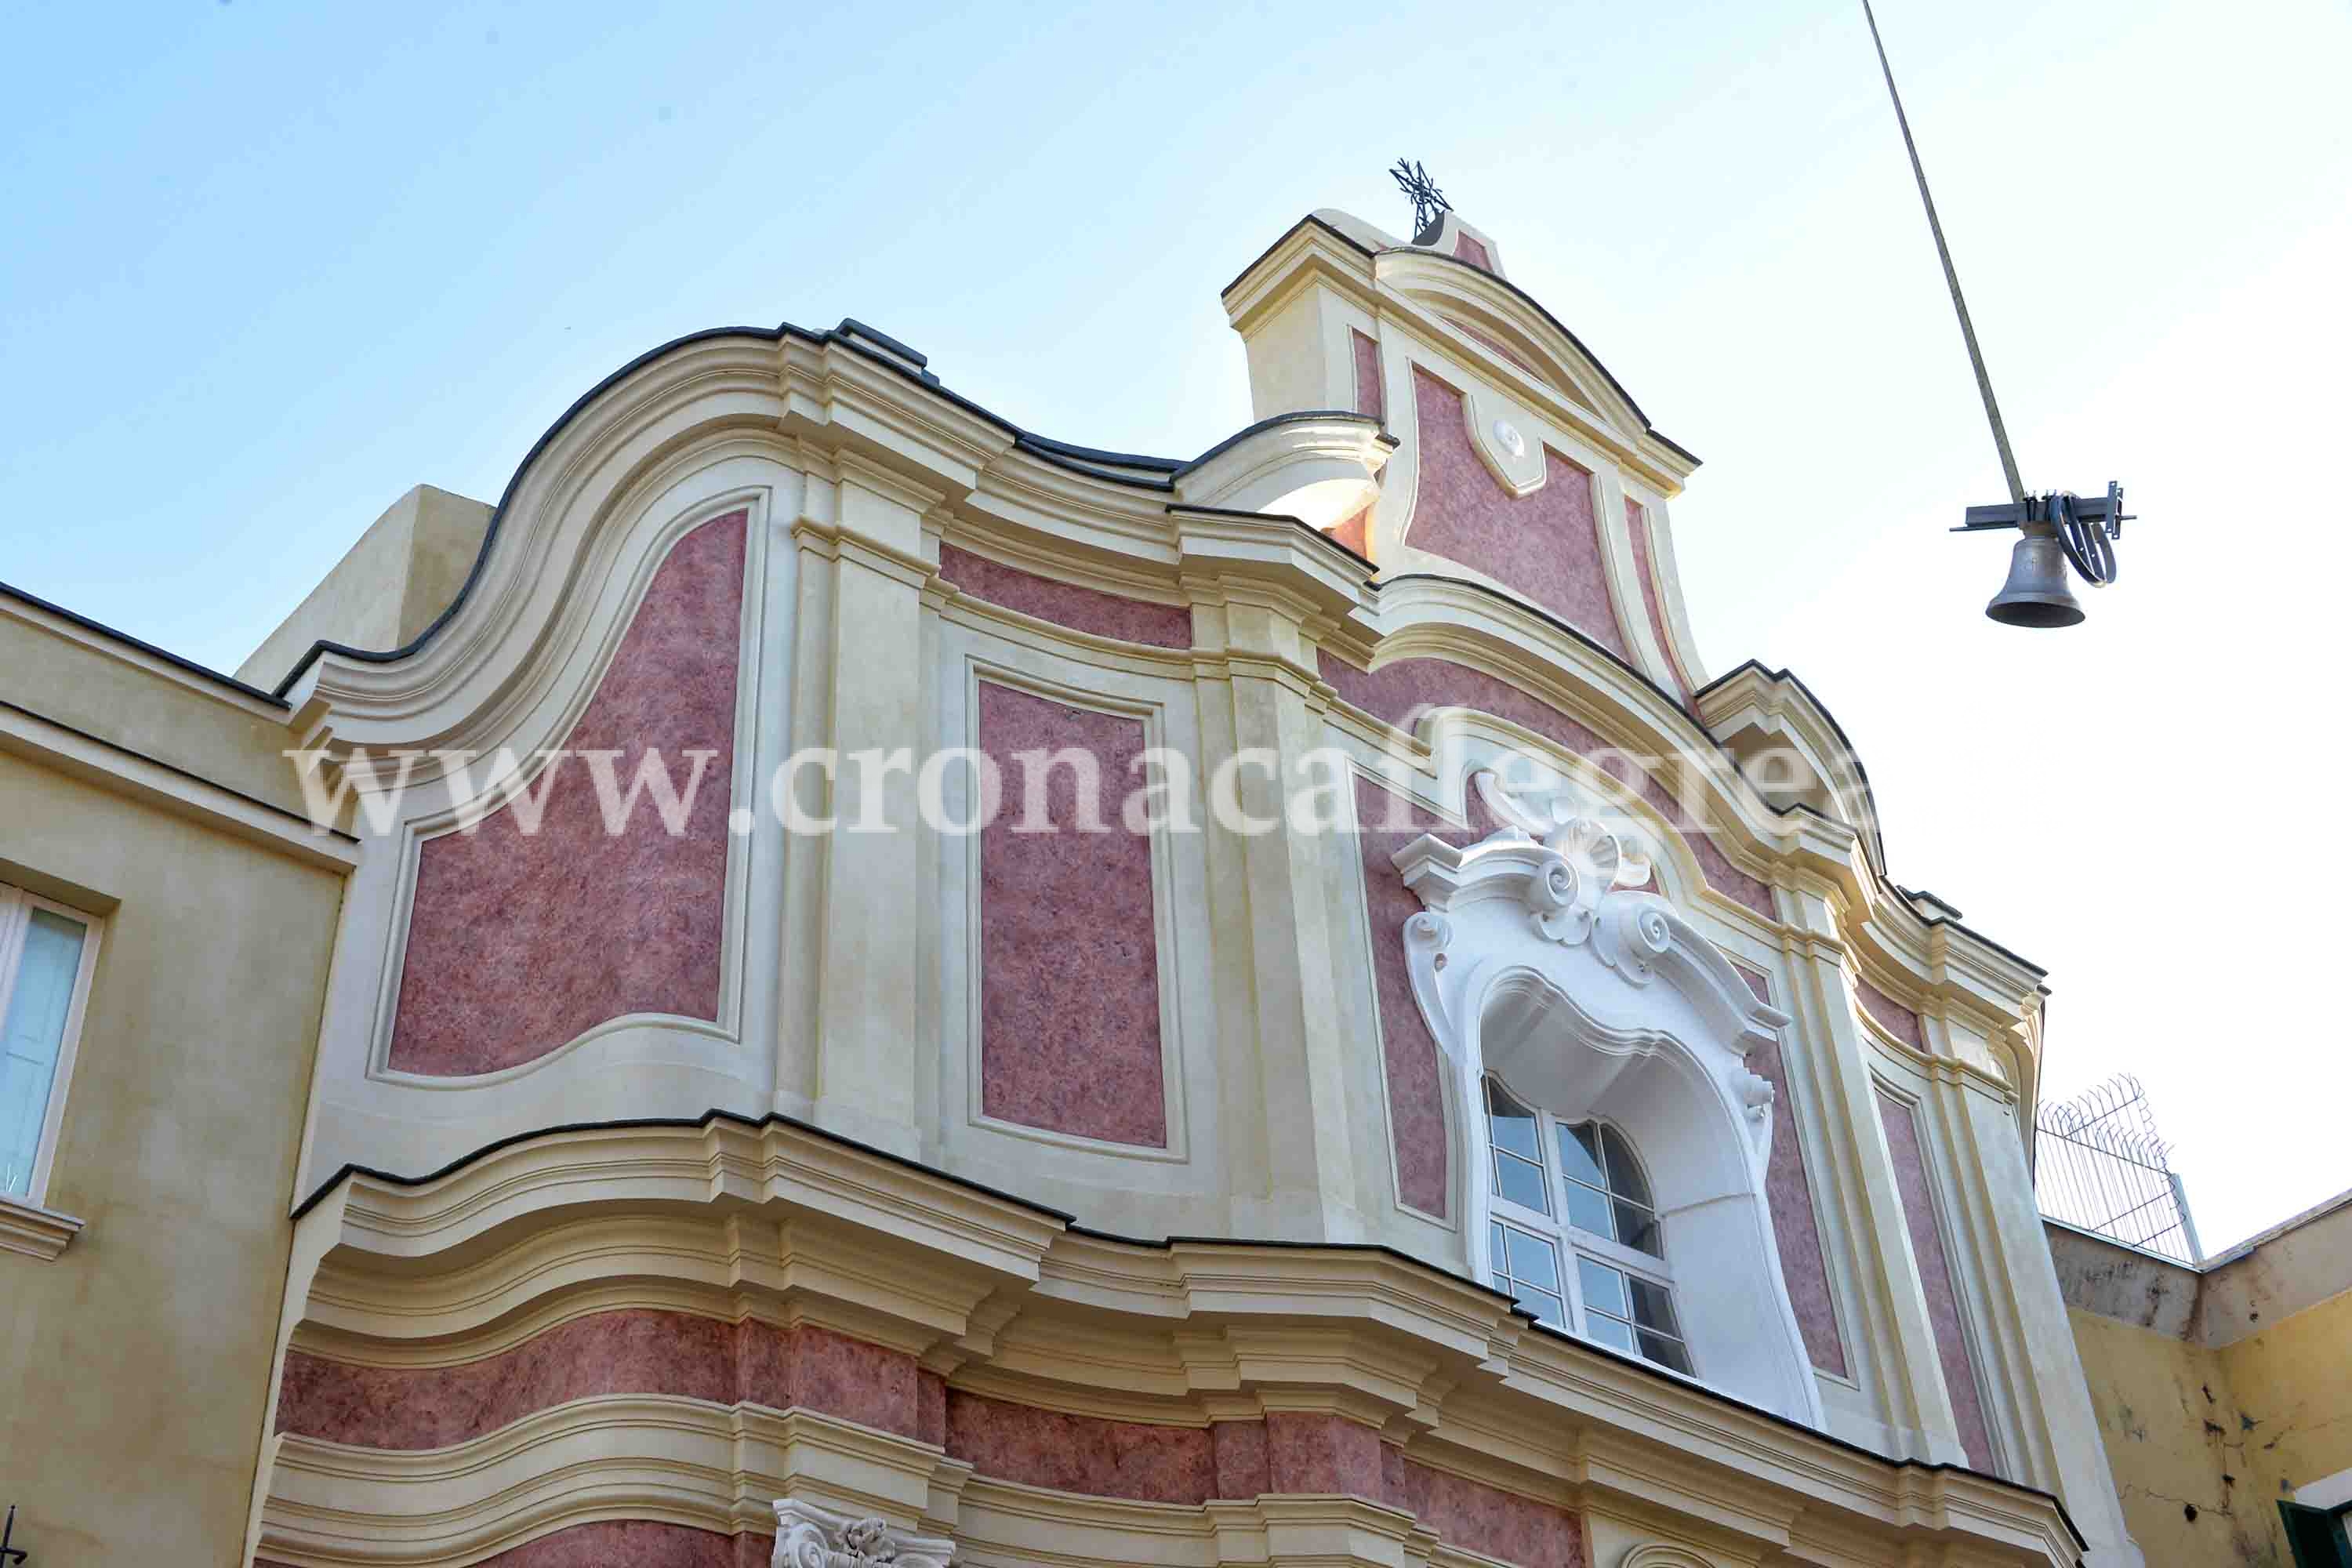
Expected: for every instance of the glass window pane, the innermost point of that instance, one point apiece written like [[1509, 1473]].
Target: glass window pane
[[1588, 1210], [1533, 1261], [1521, 1181], [1637, 1227], [1626, 1178], [1547, 1306], [1609, 1332], [30, 1037], [1510, 1124], [1579, 1155], [1654, 1308], [1667, 1352], [1494, 1260], [1603, 1287]]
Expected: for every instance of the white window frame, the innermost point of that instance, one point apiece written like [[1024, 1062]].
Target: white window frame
[[1566, 1241], [16, 907]]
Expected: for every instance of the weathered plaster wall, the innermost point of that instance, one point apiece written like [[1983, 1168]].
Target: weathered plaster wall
[[137, 1362], [2220, 1390]]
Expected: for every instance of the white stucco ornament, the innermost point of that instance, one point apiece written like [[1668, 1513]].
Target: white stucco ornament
[[811, 1537], [1508, 436], [1538, 957]]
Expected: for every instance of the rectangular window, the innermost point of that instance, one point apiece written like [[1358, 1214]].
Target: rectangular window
[[46, 956]]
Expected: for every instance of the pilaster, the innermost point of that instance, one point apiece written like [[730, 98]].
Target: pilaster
[[1895, 1335]]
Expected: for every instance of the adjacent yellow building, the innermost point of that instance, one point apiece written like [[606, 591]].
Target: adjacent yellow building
[[167, 921], [2224, 1391]]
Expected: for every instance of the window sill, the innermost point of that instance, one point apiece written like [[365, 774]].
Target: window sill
[[34, 1231]]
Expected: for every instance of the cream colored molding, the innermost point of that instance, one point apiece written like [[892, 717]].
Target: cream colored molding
[[1320, 469], [110, 768], [34, 1231], [1567, 385], [1501, 442], [1361, 1332], [616, 1456]]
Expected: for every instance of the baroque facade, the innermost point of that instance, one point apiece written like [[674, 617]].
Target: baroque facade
[[1515, 1117]]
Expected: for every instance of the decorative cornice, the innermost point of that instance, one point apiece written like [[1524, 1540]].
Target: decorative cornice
[[34, 1231]]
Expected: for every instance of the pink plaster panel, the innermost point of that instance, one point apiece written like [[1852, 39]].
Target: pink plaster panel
[[1239, 1449], [1546, 545], [1397, 689], [1070, 954], [1409, 1053], [1372, 393], [631, 1351], [518, 944], [1471, 251], [1133, 1459], [1804, 1266], [635, 1543], [1483, 1519], [1910, 1162], [1356, 533], [1897, 1019], [1306, 1451], [1637, 525], [1066, 604]]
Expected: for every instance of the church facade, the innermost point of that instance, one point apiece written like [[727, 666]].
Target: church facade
[[906, 991]]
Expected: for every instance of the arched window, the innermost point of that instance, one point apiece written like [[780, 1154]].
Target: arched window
[[1573, 1232]]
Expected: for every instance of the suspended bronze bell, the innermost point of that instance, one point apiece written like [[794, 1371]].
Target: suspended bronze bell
[[2036, 594]]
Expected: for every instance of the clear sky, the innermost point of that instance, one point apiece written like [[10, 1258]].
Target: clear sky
[[265, 266]]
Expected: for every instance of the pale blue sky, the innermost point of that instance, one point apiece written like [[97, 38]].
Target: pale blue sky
[[266, 266]]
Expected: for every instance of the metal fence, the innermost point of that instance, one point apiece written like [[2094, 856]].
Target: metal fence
[[2100, 1166]]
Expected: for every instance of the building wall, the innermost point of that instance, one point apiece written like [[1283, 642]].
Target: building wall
[[2220, 1390], [138, 1361], [876, 1215]]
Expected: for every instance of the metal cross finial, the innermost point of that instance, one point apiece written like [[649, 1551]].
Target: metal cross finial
[[1427, 200]]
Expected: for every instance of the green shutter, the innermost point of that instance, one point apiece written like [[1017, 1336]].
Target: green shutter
[[2315, 1536]]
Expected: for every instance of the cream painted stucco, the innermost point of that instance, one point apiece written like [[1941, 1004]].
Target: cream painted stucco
[[389, 586], [137, 1362]]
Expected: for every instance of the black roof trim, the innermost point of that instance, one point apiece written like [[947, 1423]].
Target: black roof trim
[[1166, 1243], [1310, 220], [851, 327], [186, 666], [1246, 431], [851, 335]]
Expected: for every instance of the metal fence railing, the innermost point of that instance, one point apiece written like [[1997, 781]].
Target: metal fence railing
[[2100, 1166]]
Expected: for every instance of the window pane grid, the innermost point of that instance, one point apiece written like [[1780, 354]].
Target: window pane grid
[[1604, 1196]]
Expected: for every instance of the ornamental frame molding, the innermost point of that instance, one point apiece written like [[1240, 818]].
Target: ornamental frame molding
[[1610, 1002]]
